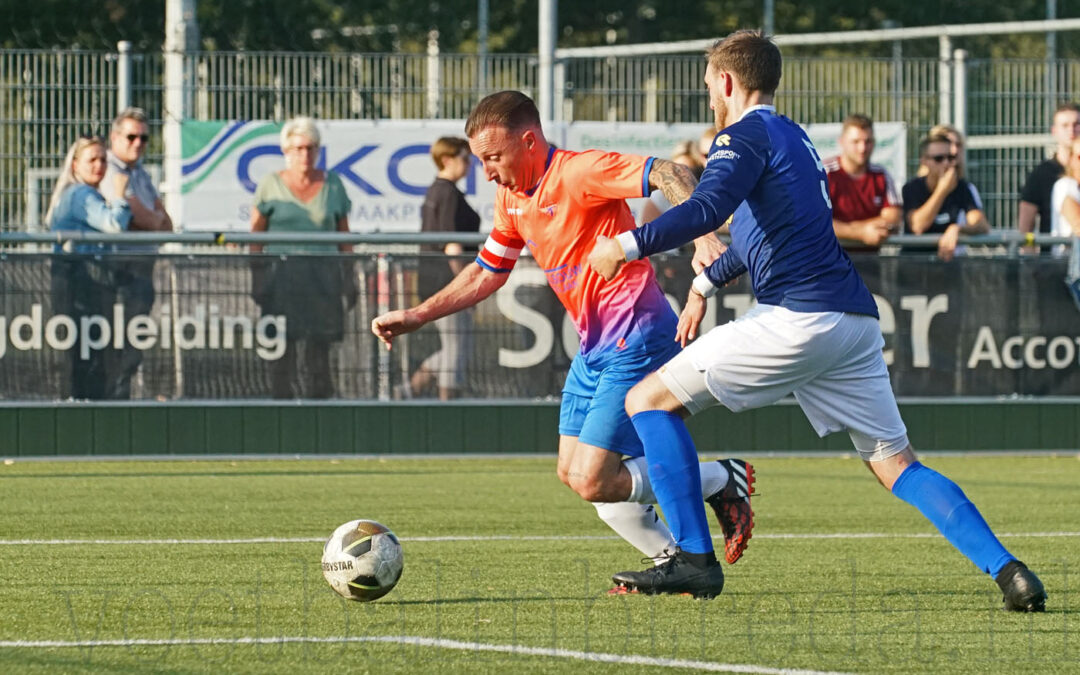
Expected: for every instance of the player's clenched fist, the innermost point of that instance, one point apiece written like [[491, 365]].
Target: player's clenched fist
[[607, 257], [388, 326]]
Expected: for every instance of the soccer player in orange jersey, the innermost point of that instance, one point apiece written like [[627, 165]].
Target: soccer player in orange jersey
[[557, 203]]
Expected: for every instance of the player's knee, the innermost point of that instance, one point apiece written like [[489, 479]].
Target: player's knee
[[563, 472], [591, 488], [644, 396]]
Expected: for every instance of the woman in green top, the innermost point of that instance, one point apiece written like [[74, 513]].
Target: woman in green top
[[305, 285]]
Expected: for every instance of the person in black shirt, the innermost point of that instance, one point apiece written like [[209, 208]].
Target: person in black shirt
[[445, 210], [941, 202], [1035, 197]]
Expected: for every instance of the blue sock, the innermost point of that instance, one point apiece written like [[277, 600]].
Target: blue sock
[[946, 506], [675, 477]]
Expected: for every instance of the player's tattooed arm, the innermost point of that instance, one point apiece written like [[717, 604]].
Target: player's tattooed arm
[[677, 183], [674, 180]]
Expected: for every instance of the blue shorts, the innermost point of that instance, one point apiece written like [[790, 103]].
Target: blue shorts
[[594, 396]]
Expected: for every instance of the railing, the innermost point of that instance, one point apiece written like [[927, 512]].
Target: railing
[[1007, 243], [206, 319]]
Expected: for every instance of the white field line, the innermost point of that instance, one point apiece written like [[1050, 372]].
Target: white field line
[[599, 657], [496, 537]]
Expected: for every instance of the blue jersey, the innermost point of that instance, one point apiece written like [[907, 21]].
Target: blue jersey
[[765, 171]]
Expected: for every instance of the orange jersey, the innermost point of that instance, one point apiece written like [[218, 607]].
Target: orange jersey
[[581, 195]]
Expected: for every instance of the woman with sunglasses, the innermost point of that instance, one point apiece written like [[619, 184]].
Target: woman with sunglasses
[[942, 202], [82, 283], [956, 140]]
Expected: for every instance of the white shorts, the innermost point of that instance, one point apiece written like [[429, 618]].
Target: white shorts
[[830, 361]]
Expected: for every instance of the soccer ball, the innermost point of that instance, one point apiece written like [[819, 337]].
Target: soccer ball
[[362, 560]]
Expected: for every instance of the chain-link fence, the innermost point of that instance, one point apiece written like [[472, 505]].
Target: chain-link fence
[[48, 97]]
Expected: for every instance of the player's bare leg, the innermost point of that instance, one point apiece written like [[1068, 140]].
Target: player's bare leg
[[599, 477], [596, 474], [944, 504], [889, 469]]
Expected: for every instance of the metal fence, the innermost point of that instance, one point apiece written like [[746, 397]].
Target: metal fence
[[48, 97], [221, 323]]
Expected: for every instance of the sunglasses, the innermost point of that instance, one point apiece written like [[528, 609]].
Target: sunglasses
[[145, 138], [941, 158]]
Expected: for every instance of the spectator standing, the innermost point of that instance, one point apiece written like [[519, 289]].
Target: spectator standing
[[941, 202], [1035, 196], [445, 210], [865, 205], [82, 284], [303, 287], [134, 274], [1065, 219]]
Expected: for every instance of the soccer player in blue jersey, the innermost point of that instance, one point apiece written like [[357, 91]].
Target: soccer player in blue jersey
[[814, 332]]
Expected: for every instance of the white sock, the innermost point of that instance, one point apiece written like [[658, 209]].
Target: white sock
[[713, 479], [638, 524]]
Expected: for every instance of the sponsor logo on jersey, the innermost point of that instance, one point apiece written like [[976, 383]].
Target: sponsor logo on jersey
[[723, 140], [724, 154], [514, 211], [563, 278], [549, 210]]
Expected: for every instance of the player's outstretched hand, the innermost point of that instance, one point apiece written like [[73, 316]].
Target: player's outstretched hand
[[390, 325], [690, 319], [606, 257]]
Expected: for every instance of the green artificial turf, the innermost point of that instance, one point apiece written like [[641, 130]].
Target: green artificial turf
[[839, 577]]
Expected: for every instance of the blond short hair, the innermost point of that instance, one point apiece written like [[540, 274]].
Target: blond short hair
[[300, 126]]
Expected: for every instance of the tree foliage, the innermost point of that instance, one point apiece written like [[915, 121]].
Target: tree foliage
[[404, 25]]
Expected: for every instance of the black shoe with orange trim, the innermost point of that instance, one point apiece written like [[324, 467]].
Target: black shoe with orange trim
[[732, 507]]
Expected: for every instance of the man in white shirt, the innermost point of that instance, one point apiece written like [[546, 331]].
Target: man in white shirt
[[134, 275]]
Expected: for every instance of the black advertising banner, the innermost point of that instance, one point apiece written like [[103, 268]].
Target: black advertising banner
[[977, 326], [231, 326]]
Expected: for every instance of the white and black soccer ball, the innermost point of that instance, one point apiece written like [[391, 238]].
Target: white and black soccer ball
[[362, 560]]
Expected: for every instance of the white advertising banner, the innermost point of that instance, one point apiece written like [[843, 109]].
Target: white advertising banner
[[386, 168], [659, 140]]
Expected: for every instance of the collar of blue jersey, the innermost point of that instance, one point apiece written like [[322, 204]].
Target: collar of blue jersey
[[551, 153], [759, 106]]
